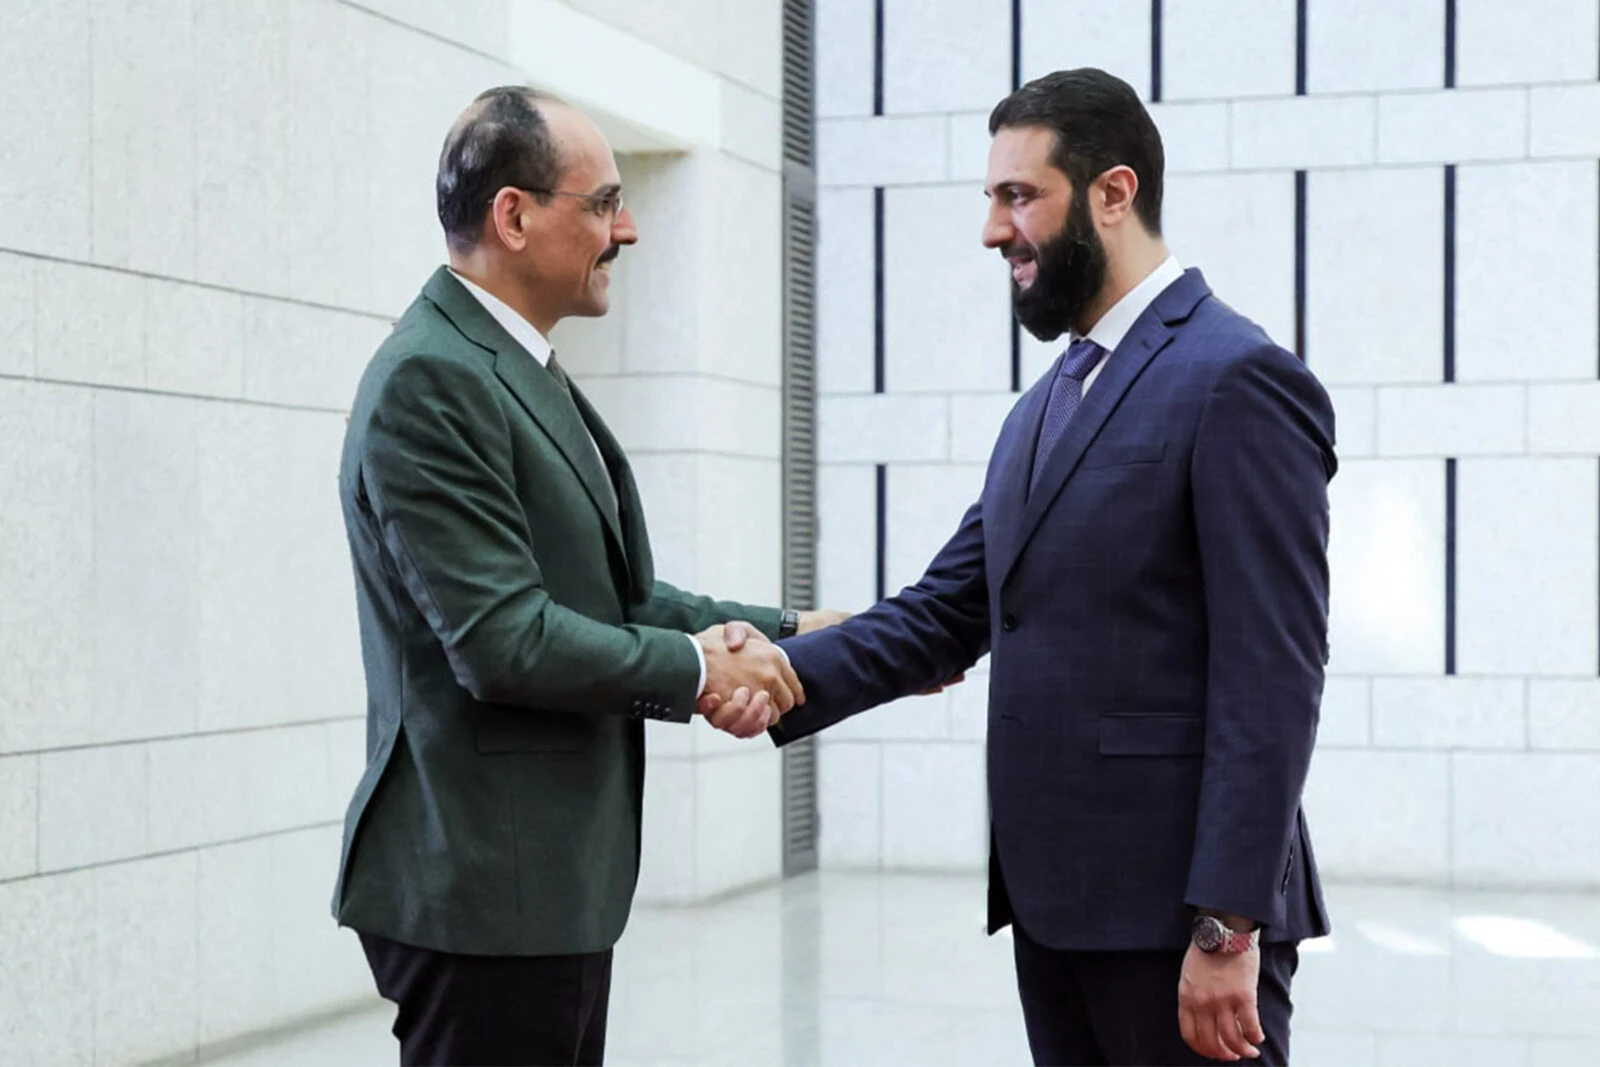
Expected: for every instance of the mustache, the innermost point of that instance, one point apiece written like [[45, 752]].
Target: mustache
[[1018, 248], [611, 253]]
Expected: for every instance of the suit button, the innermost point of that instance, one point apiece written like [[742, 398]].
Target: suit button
[[1008, 622]]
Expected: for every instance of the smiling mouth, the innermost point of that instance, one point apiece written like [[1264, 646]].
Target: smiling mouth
[[1024, 269]]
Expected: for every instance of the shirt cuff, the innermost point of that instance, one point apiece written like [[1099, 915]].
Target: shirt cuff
[[699, 654]]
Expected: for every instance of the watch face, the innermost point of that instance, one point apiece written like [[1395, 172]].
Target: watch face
[[1207, 934]]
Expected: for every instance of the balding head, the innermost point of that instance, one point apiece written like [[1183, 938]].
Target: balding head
[[531, 201], [504, 138]]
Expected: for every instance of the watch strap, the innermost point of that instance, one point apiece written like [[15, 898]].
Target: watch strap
[[1237, 942]]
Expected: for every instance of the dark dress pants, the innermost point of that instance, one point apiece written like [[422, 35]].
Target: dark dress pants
[[1121, 1008], [488, 1011]]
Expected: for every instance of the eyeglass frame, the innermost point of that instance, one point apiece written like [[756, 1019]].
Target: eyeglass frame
[[595, 202]]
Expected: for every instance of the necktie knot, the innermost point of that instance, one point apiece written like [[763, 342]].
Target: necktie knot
[[558, 373], [1081, 357]]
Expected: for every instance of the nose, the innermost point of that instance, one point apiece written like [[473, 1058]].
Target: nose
[[623, 231], [998, 230]]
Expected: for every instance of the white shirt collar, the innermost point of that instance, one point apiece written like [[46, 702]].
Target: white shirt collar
[[1115, 324], [520, 329]]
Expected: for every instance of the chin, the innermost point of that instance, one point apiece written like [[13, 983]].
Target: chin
[[1041, 333]]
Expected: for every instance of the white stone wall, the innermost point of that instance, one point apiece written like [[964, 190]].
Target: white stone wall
[[1488, 776], [209, 215]]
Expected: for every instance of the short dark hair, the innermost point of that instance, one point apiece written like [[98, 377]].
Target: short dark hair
[[502, 139], [1099, 123]]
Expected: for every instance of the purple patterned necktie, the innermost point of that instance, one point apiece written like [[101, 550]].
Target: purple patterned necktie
[[1066, 392]]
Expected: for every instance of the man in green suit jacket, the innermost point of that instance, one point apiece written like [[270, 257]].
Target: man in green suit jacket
[[513, 632]]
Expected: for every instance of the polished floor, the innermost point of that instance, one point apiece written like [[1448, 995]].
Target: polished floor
[[865, 970]]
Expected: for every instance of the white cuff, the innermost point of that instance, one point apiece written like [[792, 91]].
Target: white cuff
[[699, 654]]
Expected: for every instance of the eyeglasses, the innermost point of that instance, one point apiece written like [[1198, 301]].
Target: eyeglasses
[[603, 205]]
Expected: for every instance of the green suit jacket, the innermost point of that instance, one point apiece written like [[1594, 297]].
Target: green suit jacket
[[514, 638]]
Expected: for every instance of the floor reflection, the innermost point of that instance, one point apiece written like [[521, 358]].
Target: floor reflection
[[866, 969]]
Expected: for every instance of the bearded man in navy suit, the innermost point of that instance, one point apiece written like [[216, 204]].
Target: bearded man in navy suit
[[1147, 568]]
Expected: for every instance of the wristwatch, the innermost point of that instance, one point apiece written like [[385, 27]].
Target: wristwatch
[[788, 623], [1211, 935]]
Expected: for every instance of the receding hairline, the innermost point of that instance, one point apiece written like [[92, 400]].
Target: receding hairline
[[542, 102]]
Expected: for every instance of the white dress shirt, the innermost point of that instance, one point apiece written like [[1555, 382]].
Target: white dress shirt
[[523, 332], [1115, 324]]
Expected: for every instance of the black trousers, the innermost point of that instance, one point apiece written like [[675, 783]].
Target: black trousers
[[493, 1011], [1121, 1008]]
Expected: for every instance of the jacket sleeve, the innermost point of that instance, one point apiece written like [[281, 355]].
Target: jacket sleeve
[[920, 638], [674, 609], [1262, 460], [437, 476]]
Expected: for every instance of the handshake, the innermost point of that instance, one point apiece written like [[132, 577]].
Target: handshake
[[749, 682]]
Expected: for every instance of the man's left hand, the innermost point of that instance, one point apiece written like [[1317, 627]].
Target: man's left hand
[[1217, 1004]]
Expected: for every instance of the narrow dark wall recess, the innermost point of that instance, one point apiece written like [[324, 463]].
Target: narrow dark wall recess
[[877, 291], [1016, 44], [1449, 44], [1300, 48], [1450, 566], [877, 57], [1155, 51], [1300, 264], [1450, 273], [883, 528]]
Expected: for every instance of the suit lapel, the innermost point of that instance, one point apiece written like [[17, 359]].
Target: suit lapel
[[630, 510], [1009, 488], [1150, 334], [533, 386]]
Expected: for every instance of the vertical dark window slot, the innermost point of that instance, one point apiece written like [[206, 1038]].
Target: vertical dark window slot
[[1016, 44], [877, 291], [1300, 48], [1449, 44], [1300, 264], [1450, 566], [1450, 273], [883, 529], [1016, 356], [1155, 51], [877, 57]]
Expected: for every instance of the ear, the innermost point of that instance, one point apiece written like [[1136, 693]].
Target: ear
[[508, 218], [1115, 191]]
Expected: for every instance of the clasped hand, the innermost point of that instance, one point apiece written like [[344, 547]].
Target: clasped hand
[[749, 683]]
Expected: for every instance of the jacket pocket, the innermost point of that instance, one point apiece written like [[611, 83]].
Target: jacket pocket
[[1152, 735], [1123, 455]]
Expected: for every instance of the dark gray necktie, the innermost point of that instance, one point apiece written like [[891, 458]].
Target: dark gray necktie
[[565, 384], [558, 374], [1066, 393]]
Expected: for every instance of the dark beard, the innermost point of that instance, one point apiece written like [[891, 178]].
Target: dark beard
[[1071, 272]]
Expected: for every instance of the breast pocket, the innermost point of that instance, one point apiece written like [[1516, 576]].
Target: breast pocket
[[1123, 454], [1133, 734]]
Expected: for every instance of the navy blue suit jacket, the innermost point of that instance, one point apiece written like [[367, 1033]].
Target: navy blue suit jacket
[[1156, 613]]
